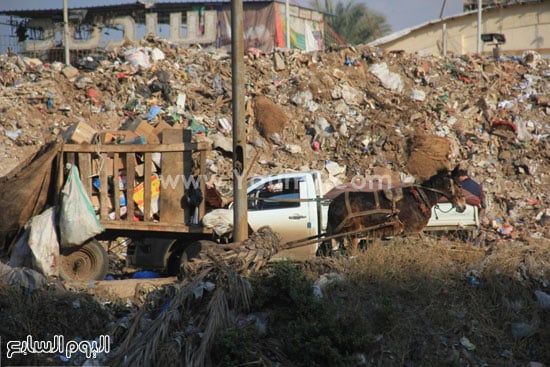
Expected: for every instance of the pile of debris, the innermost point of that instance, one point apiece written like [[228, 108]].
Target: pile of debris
[[303, 111], [346, 112]]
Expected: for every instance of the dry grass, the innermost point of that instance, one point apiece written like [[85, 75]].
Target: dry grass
[[182, 324], [414, 300], [419, 298]]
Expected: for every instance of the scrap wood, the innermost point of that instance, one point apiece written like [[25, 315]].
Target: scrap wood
[[477, 67], [214, 289]]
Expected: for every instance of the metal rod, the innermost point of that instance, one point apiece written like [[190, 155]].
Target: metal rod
[[444, 31], [442, 9], [240, 211]]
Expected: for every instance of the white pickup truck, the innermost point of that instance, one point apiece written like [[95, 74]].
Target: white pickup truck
[[292, 204]]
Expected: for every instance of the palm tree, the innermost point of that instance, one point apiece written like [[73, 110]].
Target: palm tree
[[354, 22]]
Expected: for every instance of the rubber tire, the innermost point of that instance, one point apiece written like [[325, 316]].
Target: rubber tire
[[84, 263]]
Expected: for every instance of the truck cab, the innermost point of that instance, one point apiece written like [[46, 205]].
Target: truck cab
[[291, 204]]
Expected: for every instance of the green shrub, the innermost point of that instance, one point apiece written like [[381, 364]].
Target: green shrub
[[312, 332], [235, 347]]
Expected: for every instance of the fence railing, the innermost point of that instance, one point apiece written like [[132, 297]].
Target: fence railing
[[8, 43]]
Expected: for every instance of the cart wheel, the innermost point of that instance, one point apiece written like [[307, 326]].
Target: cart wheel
[[85, 262]]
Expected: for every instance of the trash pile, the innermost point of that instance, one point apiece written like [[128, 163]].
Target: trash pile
[[303, 111], [346, 112]]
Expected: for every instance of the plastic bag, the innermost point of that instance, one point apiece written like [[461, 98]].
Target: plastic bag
[[27, 279], [21, 256], [77, 220], [138, 57], [43, 242], [220, 220]]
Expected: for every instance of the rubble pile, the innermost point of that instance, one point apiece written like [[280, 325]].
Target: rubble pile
[[306, 111]]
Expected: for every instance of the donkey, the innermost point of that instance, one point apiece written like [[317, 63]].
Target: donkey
[[393, 210]]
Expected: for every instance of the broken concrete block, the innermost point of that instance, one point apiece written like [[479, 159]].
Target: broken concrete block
[[70, 72]]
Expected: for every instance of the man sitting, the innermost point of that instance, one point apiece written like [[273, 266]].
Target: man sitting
[[472, 191]]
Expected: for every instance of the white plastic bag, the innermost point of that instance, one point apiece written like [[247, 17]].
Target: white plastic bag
[[43, 242], [77, 220], [138, 57], [389, 79], [220, 220]]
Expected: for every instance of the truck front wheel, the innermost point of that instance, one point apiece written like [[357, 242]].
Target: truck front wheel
[[84, 263]]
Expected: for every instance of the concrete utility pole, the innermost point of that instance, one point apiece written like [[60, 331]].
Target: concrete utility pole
[[240, 208], [66, 31], [479, 9]]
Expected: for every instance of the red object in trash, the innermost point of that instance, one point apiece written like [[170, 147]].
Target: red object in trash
[[254, 52], [91, 93], [505, 124], [464, 78]]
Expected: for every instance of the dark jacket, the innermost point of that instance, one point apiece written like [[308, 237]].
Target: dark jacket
[[475, 190]]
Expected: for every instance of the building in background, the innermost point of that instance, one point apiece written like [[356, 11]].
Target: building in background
[[524, 26], [39, 32], [470, 5]]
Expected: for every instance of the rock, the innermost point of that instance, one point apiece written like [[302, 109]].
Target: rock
[[70, 72]]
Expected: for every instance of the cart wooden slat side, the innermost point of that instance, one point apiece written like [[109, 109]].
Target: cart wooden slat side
[[176, 156]]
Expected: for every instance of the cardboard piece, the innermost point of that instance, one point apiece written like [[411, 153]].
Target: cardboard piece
[[80, 133], [116, 136], [140, 168], [145, 129], [161, 126]]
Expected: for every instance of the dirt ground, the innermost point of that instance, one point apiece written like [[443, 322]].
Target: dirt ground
[[431, 302]]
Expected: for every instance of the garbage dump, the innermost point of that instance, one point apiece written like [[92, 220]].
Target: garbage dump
[[345, 119]]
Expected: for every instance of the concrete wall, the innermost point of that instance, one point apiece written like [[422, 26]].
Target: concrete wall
[[526, 27], [128, 26]]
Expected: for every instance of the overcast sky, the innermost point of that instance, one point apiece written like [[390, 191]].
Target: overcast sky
[[399, 13]]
